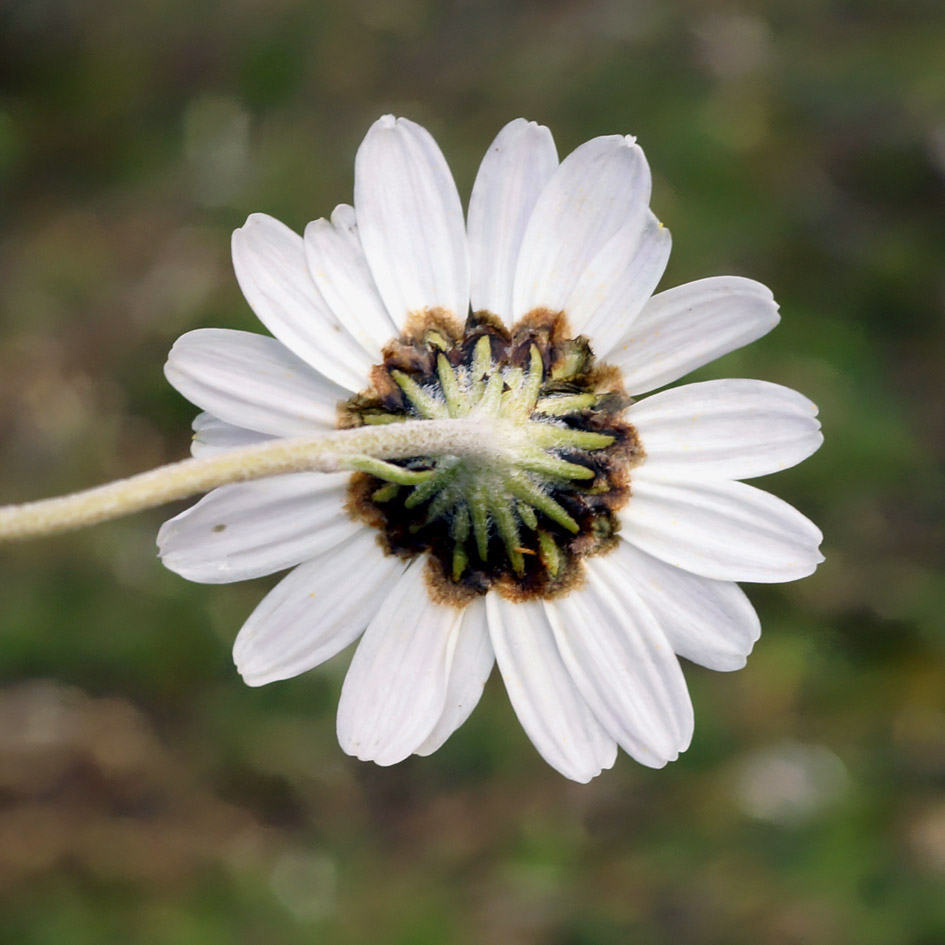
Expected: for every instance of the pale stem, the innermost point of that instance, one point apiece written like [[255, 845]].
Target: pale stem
[[329, 452]]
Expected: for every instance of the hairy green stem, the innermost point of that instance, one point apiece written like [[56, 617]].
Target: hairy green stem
[[335, 451]]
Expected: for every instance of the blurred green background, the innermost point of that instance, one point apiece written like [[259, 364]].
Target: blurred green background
[[148, 798]]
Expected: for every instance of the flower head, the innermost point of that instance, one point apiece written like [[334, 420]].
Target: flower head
[[584, 542]]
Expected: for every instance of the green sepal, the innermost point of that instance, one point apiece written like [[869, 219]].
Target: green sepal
[[460, 561], [387, 471], [558, 406], [538, 461], [552, 436], [428, 407], [386, 492], [528, 492], [550, 553]]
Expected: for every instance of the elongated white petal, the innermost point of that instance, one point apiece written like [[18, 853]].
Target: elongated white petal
[[602, 187], [623, 665], [311, 614], [618, 282], [337, 264], [552, 711], [410, 220], [213, 436], [728, 531], [396, 686], [728, 429], [270, 266], [709, 622], [513, 173], [252, 381], [688, 326], [473, 660], [249, 529]]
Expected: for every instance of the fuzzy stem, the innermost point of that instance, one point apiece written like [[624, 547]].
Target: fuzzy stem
[[330, 452]]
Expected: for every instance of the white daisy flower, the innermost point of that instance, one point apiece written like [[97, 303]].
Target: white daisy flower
[[597, 541]]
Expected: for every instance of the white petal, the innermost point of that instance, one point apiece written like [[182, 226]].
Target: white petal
[[600, 188], [252, 381], [709, 622], [249, 529], [270, 266], [316, 610], [337, 264], [618, 282], [395, 690], [683, 328], [410, 220], [623, 665], [213, 436], [473, 660], [553, 713], [728, 429], [513, 173], [728, 531]]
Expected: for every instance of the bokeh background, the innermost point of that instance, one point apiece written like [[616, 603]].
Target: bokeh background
[[148, 798]]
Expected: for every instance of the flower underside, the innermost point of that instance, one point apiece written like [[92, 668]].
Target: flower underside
[[521, 518]]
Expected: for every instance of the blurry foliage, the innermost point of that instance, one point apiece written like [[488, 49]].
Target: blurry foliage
[[147, 796]]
